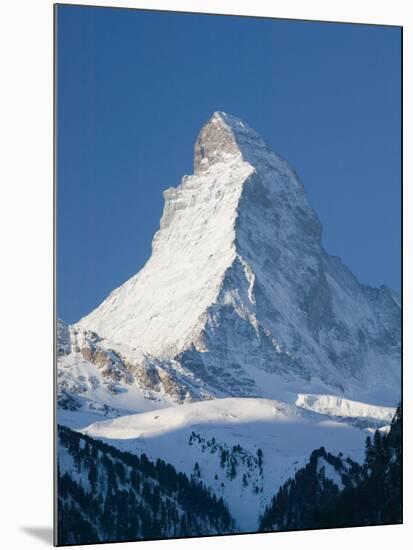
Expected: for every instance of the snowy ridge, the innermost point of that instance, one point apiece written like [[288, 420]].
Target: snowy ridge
[[333, 405], [217, 411]]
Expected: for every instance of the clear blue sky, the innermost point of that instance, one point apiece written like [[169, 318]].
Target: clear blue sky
[[135, 87]]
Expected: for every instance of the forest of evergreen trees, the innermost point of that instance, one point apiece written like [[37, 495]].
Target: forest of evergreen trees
[[371, 493], [108, 495]]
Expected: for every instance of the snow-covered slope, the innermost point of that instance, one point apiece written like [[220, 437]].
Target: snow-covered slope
[[239, 294], [332, 405], [243, 448]]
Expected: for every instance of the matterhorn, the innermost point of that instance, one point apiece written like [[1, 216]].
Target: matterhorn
[[239, 297]]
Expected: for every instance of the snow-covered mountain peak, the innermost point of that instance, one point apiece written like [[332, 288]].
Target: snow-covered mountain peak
[[239, 292], [226, 137], [216, 143]]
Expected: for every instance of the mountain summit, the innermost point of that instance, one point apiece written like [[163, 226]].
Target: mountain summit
[[239, 297], [223, 137]]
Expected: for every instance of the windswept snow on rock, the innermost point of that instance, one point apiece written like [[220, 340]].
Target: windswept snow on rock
[[159, 310], [335, 406], [243, 448]]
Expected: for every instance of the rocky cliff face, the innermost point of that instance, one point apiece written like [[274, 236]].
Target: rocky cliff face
[[239, 297]]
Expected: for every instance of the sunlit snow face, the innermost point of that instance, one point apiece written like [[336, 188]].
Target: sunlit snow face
[[239, 296]]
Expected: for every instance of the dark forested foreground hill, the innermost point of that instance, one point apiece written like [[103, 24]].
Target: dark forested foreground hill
[[334, 492], [107, 495]]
